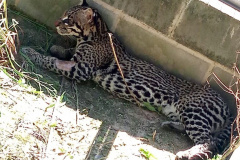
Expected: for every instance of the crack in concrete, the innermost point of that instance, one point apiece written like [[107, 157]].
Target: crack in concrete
[[178, 18]]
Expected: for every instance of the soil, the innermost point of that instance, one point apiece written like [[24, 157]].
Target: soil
[[88, 123]]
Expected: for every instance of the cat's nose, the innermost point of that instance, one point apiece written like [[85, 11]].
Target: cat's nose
[[57, 22]]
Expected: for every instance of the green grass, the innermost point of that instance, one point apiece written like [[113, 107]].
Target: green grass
[[22, 76], [148, 155], [216, 157]]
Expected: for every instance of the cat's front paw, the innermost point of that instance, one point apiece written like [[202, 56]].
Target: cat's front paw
[[198, 152], [61, 53], [30, 53]]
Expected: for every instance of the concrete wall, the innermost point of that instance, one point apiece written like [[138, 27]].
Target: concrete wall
[[185, 37]]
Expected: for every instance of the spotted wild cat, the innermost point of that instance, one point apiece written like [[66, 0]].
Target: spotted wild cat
[[199, 111]]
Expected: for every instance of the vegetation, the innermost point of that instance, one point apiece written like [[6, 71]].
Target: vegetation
[[148, 155], [234, 89], [7, 38]]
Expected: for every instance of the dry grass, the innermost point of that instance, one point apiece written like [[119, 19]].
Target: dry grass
[[7, 37], [234, 89]]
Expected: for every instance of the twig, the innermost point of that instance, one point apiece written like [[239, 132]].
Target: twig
[[235, 141], [154, 134], [120, 69], [76, 92]]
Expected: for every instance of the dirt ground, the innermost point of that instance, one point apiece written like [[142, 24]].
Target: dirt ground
[[88, 123]]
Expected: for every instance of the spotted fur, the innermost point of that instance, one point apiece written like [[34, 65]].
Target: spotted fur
[[199, 111]]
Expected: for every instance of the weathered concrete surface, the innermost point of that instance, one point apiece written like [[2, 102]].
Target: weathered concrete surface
[[193, 23], [161, 51], [45, 11], [210, 32], [158, 14]]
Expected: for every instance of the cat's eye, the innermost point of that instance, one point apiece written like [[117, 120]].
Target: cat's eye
[[84, 8]]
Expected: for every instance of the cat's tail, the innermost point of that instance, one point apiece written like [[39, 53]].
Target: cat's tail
[[223, 137]]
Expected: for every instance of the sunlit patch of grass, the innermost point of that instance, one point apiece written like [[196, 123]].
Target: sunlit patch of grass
[[147, 154], [23, 137]]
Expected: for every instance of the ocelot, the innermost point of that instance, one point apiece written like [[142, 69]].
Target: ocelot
[[199, 111]]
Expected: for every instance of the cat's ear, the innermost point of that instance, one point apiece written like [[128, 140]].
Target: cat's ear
[[84, 3], [84, 17], [88, 15]]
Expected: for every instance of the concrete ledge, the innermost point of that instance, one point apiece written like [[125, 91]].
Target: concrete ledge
[[161, 50], [210, 32]]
